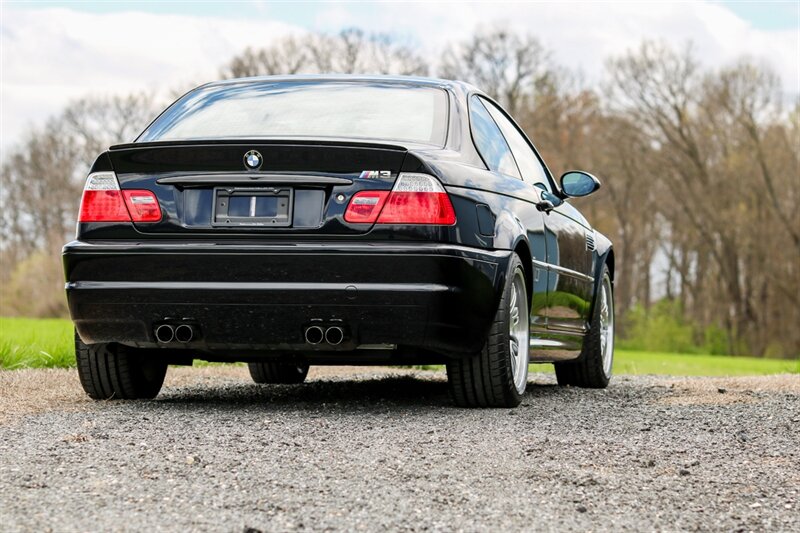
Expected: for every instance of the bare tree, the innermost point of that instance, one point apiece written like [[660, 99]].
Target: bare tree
[[96, 123], [750, 96], [511, 68], [722, 201], [352, 51], [42, 177], [289, 55]]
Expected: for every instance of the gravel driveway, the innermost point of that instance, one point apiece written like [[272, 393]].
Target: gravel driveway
[[357, 449]]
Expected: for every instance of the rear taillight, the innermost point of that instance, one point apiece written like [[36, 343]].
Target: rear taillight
[[365, 207], [142, 205], [103, 202], [414, 199]]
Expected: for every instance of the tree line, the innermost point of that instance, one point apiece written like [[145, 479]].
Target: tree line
[[700, 172]]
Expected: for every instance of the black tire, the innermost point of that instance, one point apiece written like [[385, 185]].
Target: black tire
[[116, 372], [486, 379], [589, 370], [278, 372]]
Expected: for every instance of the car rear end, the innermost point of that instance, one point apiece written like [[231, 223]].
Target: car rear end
[[234, 243]]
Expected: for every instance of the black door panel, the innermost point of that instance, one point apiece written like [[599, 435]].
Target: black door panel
[[569, 279]]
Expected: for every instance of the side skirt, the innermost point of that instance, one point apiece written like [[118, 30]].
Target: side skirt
[[548, 346]]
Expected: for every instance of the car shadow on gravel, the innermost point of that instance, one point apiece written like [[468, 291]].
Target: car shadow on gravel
[[392, 391]]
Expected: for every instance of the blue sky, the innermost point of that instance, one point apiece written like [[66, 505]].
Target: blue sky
[[768, 15], [762, 14]]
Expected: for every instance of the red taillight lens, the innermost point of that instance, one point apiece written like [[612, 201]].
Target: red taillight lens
[[142, 205], [365, 207], [418, 208], [418, 199], [414, 199], [103, 206], [103, 202]]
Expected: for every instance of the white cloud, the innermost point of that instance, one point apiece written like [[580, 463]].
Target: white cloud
[[333, 18], [50, 56], [582, 35]]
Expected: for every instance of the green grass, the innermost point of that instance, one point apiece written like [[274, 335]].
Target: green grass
[[36, 343], [635, 362]]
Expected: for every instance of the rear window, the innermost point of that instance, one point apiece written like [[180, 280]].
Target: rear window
[[312, 109]]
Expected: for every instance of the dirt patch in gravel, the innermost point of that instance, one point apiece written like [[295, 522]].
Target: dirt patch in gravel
[[32, 391], [722, 391]]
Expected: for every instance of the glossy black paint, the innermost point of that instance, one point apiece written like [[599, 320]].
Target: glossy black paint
[[248, 296], [428, 291]]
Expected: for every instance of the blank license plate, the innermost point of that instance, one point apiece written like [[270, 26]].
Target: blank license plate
[[251, 206]]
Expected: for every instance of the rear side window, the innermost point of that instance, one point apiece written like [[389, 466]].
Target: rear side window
[[529, 165], [254, 110], [490, 141]]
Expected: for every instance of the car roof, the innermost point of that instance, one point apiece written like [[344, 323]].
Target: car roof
[[354, 78]]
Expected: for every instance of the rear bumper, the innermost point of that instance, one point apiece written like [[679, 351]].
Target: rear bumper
[[261, 297]]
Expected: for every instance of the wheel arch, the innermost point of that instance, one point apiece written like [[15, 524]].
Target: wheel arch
[[510, 234], [610, 262], [522, 249], [604, 256]]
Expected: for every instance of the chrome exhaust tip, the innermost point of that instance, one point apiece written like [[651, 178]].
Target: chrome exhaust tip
[[334, 335], [184, 333], [314, 335], [165, 333]]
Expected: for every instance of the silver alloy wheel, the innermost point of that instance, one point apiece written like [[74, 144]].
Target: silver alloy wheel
[[518, 331], [607, 325]]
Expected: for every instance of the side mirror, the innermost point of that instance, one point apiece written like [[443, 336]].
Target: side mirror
[[576, 183]]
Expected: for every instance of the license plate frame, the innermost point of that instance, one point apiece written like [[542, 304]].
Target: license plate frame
[[221, 216]]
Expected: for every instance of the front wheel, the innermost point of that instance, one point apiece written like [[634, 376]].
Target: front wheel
[[593, 368], [498, 375], [116, 372]]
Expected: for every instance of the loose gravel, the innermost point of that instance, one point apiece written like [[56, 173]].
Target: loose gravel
[[371, 449]]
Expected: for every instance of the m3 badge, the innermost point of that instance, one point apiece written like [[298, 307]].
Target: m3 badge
[[375, 174]]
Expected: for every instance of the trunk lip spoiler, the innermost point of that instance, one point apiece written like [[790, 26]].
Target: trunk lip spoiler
[[204, 180], [333, 142]]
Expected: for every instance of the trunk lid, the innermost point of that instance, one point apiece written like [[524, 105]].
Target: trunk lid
[[299, 187]]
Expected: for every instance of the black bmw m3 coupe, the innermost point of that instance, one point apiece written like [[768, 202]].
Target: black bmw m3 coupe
[[296, 221]]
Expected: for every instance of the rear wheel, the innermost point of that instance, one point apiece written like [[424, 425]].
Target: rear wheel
[[593, 368], [278, 372], [116, 372], [498, 375]]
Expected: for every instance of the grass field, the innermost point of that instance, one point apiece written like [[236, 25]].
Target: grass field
[[675, 364], [35, 343]]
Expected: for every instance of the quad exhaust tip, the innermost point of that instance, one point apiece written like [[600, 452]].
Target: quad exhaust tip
[[184, 333], [334, 335], [165, 333], [314, 335]]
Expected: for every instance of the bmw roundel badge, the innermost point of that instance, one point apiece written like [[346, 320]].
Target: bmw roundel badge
[[253, 160]]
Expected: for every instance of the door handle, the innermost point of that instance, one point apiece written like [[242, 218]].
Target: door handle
[[545, 206]]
